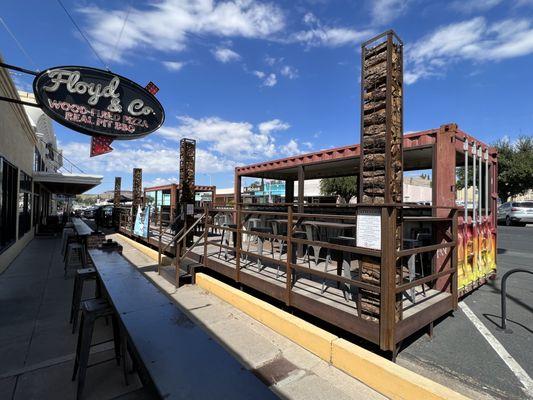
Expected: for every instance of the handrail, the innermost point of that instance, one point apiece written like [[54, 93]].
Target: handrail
[[504, 292], [192, 247], [190, 228], [171, 240]]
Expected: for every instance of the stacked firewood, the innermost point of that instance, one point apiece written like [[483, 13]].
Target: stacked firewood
[[382, 168]]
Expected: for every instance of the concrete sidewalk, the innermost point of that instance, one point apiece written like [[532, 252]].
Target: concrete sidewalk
[[291, 371], [36, 344]]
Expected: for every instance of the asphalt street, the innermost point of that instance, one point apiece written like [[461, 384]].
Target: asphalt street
[[459, 351]]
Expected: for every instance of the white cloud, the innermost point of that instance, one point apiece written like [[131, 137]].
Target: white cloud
[[289, 72], [268, 79], [237, 140], [259, 74], [229, 140], [167, 24], [318, 34], [173, 65], [291, 148], [160, 181], [472, 40], [384, 11], [225, 55], [270, 61], [150, 156], [470, 6], [273, 125]]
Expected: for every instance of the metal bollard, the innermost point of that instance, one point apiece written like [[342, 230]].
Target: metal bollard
[[504, 293]]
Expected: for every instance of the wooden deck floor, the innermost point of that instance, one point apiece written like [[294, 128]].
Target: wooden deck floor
[[326, 292], [323, 291]]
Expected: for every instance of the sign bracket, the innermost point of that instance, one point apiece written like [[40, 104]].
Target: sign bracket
[[23, 70]]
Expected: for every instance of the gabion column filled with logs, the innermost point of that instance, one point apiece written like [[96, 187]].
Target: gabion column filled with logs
[[116, 201], [187, 183], [116, 194], [137, 193], [381, 166]]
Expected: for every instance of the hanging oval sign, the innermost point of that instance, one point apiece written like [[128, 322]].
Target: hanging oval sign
[[97, 102]]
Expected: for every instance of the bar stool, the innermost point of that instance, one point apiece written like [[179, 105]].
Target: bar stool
[[224, 239], [252, 223], [277, 229], [344, 261], [75, 250], [260, 244], [82, 275], [67, 232], [313, 235], [91, 310]]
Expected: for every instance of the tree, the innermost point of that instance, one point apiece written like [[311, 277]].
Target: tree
[[515, 167], [346, 187]]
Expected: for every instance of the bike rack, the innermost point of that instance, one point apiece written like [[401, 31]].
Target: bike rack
[[504, 293]]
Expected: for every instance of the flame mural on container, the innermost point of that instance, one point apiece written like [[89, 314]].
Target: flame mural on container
[[476, 251]]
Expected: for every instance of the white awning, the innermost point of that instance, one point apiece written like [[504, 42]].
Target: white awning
[[67, 184]]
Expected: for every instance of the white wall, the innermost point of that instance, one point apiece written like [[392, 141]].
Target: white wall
[[17, 146]]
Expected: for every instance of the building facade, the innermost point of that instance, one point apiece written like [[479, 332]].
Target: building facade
[[32, 175]]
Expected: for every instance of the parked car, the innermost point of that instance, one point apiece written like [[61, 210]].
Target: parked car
[[516, 213], [89, 213]]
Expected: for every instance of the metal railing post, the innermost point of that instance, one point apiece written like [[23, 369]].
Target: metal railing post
[[238, 245], [454, 264], [504, 293], [159, 250], [387, 309], [288, 279], [206, 231]]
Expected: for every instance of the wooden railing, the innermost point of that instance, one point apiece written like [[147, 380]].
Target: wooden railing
[[392, 256]]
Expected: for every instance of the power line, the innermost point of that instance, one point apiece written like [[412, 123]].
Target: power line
[[83, 34], [19, 45], [121, 31]]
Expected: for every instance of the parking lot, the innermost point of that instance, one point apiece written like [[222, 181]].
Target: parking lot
[[458, 351]]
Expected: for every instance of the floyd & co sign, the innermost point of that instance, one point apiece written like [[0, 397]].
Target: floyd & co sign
[[98, 103]]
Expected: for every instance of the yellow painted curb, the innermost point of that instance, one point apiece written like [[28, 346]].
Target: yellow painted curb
[[314, 339], [378, 373], [388, 378], [153, 254]]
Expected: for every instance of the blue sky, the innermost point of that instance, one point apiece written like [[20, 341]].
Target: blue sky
[[253, 80]]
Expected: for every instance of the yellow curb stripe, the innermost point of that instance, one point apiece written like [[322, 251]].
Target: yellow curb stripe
[[386, 377], [309, 336], [382, 375], [153, 254]]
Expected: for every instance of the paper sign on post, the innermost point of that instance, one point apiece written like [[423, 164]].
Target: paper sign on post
[[369, 228]]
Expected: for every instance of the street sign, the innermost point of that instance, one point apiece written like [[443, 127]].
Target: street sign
[[97, 102]]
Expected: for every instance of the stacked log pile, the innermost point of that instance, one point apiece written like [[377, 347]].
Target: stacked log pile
[[381, 142]]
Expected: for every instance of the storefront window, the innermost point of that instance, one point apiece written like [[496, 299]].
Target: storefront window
[[25, 202], [8, 204]]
